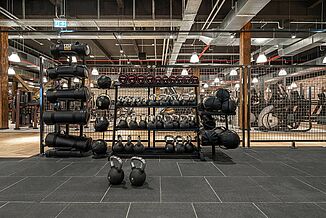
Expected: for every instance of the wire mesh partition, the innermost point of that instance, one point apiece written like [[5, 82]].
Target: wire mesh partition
[[287, 104]]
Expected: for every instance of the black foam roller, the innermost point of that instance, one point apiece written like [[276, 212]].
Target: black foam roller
[[68, 94], [63, 141], [80, 71], [66, 117]]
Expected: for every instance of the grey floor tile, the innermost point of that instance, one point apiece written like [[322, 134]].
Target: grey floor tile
[[7, 181], [199, 169], [81, 169], [168, 210], [289, 189], [322, 205], [227, 210], [278, 169], [187, 189], [80, 189], [240, 189], [239, 169], [291, 210], [44, 168], [267, 155], [177, 160], [162, 169], [31, 210], [240, 157], [10, 167], [149, 192], [311, 168], [97, 210], [317, 182], [31, 189]]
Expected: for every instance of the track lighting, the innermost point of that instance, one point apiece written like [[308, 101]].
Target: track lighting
[[261, 58], [184, 72], [194, 58], [95, 72], [282, 72], [11, 71], [14, 57]]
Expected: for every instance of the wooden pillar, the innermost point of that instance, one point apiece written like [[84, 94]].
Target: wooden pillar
[[4, 109], [245, 59]]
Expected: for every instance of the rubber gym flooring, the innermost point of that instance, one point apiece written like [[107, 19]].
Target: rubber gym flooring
[[258, 182]]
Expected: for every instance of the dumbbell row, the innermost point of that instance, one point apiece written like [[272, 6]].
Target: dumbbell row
[[159, 80]]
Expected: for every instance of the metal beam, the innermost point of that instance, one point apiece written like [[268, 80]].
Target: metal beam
[[315, 4], [135, 44], [120, 4], [100, 46]]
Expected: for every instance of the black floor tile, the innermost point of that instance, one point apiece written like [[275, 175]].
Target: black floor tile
[[267, 155], [199, 169], [187, 189], [31, 210], [81, 169], [41, 169], [322, 205], [162, 169], [10, 167], [239, 189], [97, 210], [149, 192], [31, 189], [291, 210], [311, 168], [317, 182], [278, 169], [80, 189], [239, 169], [238, 157], [168, 210], [7, 181], [225, 210], [177, 160], [289, 189]]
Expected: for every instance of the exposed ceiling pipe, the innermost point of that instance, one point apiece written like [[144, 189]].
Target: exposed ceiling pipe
[[166, 50], [163, 51]]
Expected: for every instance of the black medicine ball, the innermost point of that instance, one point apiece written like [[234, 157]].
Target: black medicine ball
[[104, 82], [223, 95], [229, 139], [103, 102], [99, 146]]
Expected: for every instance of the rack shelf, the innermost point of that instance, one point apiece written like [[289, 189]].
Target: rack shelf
[[158, 106], [217, 113], [163, 130], [154, 85]]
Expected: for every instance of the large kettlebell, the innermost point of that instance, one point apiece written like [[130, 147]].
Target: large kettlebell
[[142, 123], [188, 145], [169, 143], [137, 176], [103, 102], [151, 122], [168, 122], [116, 174], [99, 148], [123, 123], [101, 124], [129, 146], [104, 82], [139, 147], [179, 147], [118, 146]]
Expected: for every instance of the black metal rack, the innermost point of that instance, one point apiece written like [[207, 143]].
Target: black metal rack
[[153, 151]]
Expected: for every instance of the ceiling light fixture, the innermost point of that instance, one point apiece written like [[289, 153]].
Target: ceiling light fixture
[[237, 86], [91, 85], [73, 59], [121, 51], [254, 80], [119, 36], [64, 85], [261, 58], [216, 80], [206, 86], [293, 36], [294, 85], [184, 72], [45, 80], [11, 71], [194, 58], [282, 72], [171, 36], [14, 57], [76, 80], [233, 72], [92, 56], [95, 72], [324, 60]]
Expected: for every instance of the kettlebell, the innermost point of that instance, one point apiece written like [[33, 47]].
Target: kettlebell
[[179, 147], [120, 101], [133, 122], [129, 146], [152, 100], [163, 100], [123, 122], [175, 100], [103, 102], [142, 123], [151, 122], [192, 100], [188, 145], [116, 174], [99, 148], [169, 143], [137, 175], [126, 101], [139, 147], [101, 124], [118, 146], [192, 122], [168, 122], [184, 122], [159, 122], [176, 124]]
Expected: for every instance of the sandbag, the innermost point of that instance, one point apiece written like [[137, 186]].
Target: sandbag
[[61, 49], [229, 139], [212, 103], [66, 117], [53, 95], [65, 153], [209, 137], [64, 141], [229, 106], [223, 95], [64, 71]]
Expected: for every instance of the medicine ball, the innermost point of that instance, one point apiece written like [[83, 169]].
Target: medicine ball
[[229, 106], [209, 137], [229, 139], [101, 124], [212, 103], [103, 102], [223, 95], [99, 147], [208, 122], [104, 82]]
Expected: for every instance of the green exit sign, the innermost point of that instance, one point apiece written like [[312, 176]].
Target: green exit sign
[[60, 23]]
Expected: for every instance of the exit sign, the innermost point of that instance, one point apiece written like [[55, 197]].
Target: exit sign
[[60, 23]]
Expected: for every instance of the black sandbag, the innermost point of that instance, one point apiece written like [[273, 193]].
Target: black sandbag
[[229, 139], [70, 141], [66, 117], [65, 153], [61, 49], [229, 106], [81, 94], [223, 95], [65, 71], [212, 103]]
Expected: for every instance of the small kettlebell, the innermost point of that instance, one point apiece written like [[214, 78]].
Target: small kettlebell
[[179, 147], [159, 122], [133, 122], [188, 145], [184, 123], [139, 147], [151, 122], [116, 174], [142, 123], [129, 146], [118, 146], [123, 122], [168, 122], [176, 124], [192, 122], [175, 100], [137, 176], [169, 143], [152, 100]]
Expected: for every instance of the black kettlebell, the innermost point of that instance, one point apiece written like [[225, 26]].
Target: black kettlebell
[[101, 124], [151, 122], [192, 122], [175, 100], [188, 145], [139, 147], [159, 122], [137, 176], [179, 147], [116, 174], [142, 123], [163, 100], [168, 122], [103, 102], [169, 143], [184, 122], [123, 123], [118, 146], [133, 122], [127, 101], [176, 123], [104, 82], [99, 148], [152, 100], [129, 146], [192, 100], [120, 101]]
